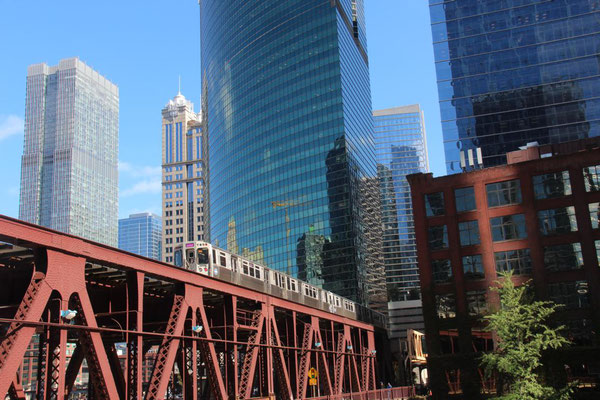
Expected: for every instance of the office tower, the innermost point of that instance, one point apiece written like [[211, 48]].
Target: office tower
[[288, 108], [513, 72], [182, 175], [401, 149], [69, 176], [536, 217], [376, 298], [141, 234]]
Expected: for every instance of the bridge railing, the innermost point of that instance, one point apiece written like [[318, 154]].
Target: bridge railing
[[397, 393]]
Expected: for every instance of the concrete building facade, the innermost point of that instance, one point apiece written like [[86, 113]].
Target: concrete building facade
[[183, 169]]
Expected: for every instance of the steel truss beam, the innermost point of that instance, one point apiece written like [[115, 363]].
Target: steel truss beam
[[267, 352]]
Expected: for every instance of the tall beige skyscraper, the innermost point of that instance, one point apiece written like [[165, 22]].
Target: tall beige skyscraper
[[182, 175]]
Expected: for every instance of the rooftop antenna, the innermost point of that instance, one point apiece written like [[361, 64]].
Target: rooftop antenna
[[179, 90]]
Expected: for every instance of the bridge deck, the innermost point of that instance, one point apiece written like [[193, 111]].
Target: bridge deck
[[150, 330]]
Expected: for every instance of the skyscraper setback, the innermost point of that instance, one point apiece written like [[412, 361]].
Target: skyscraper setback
[[290, 132], [515, 71], [69, 176], [182, 175]]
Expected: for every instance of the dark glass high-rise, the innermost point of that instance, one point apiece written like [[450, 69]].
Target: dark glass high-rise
[[286, 100], [512, 72]]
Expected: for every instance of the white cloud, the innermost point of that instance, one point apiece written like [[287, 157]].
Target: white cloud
[[13, 191], [10, 125], [139, 171], [143, 187], [146, 177]]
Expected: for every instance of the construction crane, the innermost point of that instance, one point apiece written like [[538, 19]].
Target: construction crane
[[286, 205]]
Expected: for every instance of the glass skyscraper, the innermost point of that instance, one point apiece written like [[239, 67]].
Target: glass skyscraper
[[515, 71], [69, 176], [141, 234], [290, 135], [401, 148]]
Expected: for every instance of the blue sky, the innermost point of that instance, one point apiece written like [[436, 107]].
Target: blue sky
[[144, 46]]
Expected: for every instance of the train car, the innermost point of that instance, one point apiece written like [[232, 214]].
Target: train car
[[206, 259]]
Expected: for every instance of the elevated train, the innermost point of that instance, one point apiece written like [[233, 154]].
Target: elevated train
[[206, 259]]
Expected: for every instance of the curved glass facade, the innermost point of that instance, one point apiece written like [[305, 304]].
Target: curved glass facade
[[288, 112], [515, 71]]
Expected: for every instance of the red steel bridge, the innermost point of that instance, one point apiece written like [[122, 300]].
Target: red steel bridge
[[211, 339]]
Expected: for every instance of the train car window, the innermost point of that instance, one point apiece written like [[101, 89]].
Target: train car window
[[337, 301], [178, 258], [348, 305], [223, 260], [190, 257], [245, 268], [311, 291], [279, 280], [292, 284], [234, 263], [330, 297], [202, 255], [255, 271], [214, 257]]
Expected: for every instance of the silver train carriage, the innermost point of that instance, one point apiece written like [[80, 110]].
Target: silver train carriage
[[206, 259]]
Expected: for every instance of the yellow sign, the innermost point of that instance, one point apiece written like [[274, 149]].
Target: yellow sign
[[312, 374], [312, 382]]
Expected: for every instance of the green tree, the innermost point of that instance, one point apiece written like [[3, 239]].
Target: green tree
[[523, 334]]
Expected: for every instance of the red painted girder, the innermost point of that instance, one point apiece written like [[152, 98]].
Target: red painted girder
[[29, 233], [249, 364], [135, 353], [283, 377], [73, 369], [339, 363], [194, 295], [324, 368], [167, 351], [59, 266], [17, 338], [305, 355], [16, 389]]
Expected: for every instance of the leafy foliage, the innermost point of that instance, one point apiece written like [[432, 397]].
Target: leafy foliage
[[522, 335]]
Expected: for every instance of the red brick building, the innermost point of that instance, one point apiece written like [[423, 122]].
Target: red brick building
[[538, 217]]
